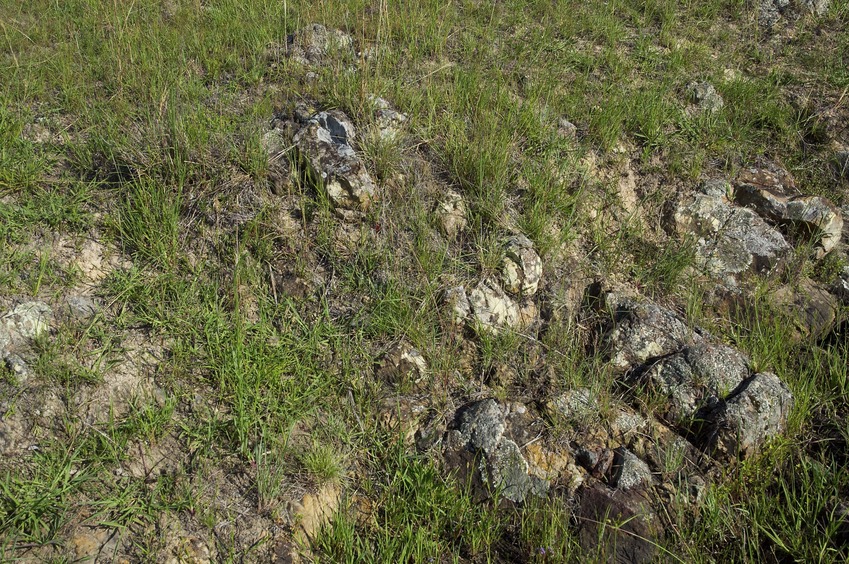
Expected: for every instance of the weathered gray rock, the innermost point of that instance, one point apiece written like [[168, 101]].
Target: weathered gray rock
[[82, 308], [771, 11], [316, 45], [810, 217], [18, 367], [817, 7], [628, 470], [730, 240], [705, 96], [451, 211], [482, 425], [696, 378], [25, 322], [640, 331], [482, 431], [521, 267], [757, 411], [325, 145], [577, 404]]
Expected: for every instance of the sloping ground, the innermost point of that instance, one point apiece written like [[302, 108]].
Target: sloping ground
[[428, 282]]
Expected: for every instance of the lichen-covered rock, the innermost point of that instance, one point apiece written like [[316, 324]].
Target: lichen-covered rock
[[640, 331], [730, 240], [325, 145], [705, 96], [578, 404], [757, 411], [522, 267], [486, 430], [451, 211], [25, 322], [628, 470], [811, 217], [696, 378], [316, 45]]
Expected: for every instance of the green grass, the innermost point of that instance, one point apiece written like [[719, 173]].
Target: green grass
[[140, 125]]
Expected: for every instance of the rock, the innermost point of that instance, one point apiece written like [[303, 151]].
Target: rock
[[616, 525], [841, 286], [696, 378], [458, 304], [401, 364], [482, 425], [628, 471], [811, 217], [521, 267], [812, 309], [18, 367], [452, 211], [730, 240], [389, 122], [486, 429], [757, 410], [25, 322], [640, 331], [325, 144], [817, 7], [316, 45], [579, 404], [566, 129], [771, 11], [82, 308], [492, 309], [705, 96]]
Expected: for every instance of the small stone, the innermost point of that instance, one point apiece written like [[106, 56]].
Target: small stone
[[389, 122], [522, 267], [811, 217], [452, 211], [578, 404], [82, 308], [566, 129], [403, 363], [492, 309], [18, 367], [324, 144], [696, 378], [628, 470], [730, 240], [705, 96], [482, 425], [812, 309], [458, 303], [316, 45], [25, 322]]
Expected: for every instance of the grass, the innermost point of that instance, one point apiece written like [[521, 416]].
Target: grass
[[139, 126]]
